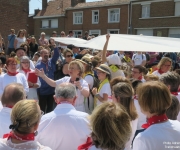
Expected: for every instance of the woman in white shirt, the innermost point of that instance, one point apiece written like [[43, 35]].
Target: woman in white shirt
[[88, 76], [103, 93], [161, 133], [163, 66], [76, 70], [25, 69], [25, 118], [19, 39], [123, 93], [111, 128]]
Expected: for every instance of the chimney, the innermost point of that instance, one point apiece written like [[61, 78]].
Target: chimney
[[44, 4], [75, 2]]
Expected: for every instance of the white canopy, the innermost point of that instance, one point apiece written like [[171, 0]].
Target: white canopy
[[125, 42]]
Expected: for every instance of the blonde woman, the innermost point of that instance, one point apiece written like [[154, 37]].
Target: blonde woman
[[163, 66], [123, 93], [111, 128], [25, 118], [19, 39], [76, 70]]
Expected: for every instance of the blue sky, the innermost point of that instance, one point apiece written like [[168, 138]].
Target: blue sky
[[35, 4]]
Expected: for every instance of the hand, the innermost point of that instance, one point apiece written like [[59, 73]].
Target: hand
[[40, 72], [94, 91], [107, 36], [78, 84], [30, 83]]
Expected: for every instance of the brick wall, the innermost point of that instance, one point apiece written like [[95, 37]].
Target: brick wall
[[13, 14], [103, 24]]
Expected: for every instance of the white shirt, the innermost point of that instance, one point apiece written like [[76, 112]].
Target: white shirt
[[178, 97], [1, 106], [79, 104], [65, 128], [5, 79], [138, 59], [5, 121], [106, 89], [30, 145], [90, 80], [20, 41], [141, 116], [32, 94], [159, 137]]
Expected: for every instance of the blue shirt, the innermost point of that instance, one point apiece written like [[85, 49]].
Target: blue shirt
[[49, 69], [11, 39]]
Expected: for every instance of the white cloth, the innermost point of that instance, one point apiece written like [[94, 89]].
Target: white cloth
[[138, 59], [121, 56], [114, 60], [106, 89], [32, 94], [178, 97], [1, 106], [30, 145], [5, 121], [117, 74], [156, 73], [134, 128], [20, 41], [65, 128], [79, 104], [159, 137], [89, 106], [141, 116], [5, 79]]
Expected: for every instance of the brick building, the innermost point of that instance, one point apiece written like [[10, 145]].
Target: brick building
[[13, 14], [156, 17]]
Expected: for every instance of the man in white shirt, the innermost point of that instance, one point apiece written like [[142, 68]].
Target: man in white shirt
[[64, 128], [12, 94], [139, 59]]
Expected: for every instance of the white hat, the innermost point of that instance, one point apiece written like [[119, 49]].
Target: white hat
[[114, 60]]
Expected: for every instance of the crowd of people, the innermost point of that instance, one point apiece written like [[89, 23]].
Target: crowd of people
[[57, 96]]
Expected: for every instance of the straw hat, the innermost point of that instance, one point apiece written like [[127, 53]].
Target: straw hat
[[104, 68], [85, 60], [89, 56]]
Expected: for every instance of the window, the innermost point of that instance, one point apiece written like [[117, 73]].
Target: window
[[50, 23], [177, 6], [95, 32], [77, 33], [146, 32], [175, 33], [146, 11], [113, 31], [113, 15], [95, 16], [77, 17]]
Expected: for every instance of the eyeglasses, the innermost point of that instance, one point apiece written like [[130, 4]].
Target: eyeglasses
[[71, 68], [12, 64], [69, 56], [25, 62], [99, 72]]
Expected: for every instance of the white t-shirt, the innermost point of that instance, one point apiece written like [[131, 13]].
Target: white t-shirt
[[20, 41], [79, 103], [159, 136], [138, 59], [1, 106], [5, 79], [106, 89], [90, 80]]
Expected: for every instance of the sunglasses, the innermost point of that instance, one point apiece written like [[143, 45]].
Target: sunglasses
[[69, 56]]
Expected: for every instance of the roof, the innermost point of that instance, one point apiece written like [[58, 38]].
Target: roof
[[54, 8], [100, 3]]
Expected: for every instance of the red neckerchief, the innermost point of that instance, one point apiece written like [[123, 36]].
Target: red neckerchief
[[154, 120], [27, 137], [140, 78], [46, 63], [26, 70], [174, 93], [178, 90], [87, 145], [160, 71], [12, 74], [135, 97], [9, 106]]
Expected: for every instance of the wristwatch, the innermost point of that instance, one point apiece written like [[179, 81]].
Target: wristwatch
[[97, 95]]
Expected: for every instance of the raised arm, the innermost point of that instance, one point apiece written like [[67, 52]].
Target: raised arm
[[105, 49]]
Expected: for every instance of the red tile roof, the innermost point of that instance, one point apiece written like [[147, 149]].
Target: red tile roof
[[55, 7]]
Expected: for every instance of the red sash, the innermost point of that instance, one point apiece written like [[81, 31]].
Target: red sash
[[87, 145], [154, 120]]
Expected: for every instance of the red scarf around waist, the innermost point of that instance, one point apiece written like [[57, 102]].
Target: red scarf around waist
[[154, 120]]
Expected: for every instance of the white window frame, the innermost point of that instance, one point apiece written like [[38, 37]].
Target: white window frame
[[77, 31], [47, 22], [108, 30], [93, 19], [177, 11], [109, 15], [74, 19], [91, 31], [146, 6], [56, 26]]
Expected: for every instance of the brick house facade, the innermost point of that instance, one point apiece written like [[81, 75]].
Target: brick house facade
[[157, 18], [14, 14]]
